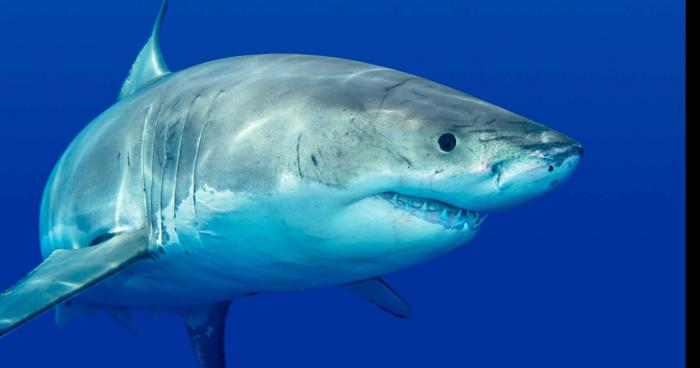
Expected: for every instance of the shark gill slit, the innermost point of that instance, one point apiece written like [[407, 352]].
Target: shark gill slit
[[162, 161], [196, 155], [145, 171], [143, 145], [170, 124], [174, 158], [152, 215], [173, 142], [179, 159]]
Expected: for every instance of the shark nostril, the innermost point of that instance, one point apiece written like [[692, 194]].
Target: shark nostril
[[551, 168]]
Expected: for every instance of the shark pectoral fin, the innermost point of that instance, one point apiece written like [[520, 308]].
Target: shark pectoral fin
[[149, 65], [205, 328], [384, 296], [64, 274]]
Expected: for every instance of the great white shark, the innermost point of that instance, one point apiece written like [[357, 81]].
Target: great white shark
[[271, 173]]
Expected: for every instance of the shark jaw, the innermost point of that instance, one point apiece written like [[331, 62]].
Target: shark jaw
[[434, 211]]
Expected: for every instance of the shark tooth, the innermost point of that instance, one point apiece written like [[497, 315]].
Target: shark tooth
[[460, 220], [476, 219], [480, 220], [423, 209]]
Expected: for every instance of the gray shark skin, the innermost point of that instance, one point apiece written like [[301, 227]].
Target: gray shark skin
[[272, 173]]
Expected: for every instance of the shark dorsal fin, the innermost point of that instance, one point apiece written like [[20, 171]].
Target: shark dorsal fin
[[149, 65]]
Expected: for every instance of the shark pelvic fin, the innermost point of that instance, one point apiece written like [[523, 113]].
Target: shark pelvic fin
[[384, 296], [149, 65], [205, 328], [122, 316], [66, 273], [70, 310]]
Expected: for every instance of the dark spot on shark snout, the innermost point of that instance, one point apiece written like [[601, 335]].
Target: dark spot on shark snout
[[551, 168], [313, 159]]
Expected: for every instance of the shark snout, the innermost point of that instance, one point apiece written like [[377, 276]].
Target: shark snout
[[553, 145], [552, 154], [539, 169], [522, 161]]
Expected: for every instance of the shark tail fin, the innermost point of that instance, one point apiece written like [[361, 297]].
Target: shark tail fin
[[65, 273], [149, 65], [205, 328]]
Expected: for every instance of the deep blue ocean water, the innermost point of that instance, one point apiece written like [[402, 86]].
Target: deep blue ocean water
[[591, 275]]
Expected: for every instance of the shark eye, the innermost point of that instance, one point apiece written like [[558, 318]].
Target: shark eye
[[447, 142]]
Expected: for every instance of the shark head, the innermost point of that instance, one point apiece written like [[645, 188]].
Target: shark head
[[377, 170], [422, 165], [472, 155]]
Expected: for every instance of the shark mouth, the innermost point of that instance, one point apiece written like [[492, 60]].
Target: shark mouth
[[436, 212]]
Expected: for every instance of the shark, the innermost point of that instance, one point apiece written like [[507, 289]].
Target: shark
[[269, 173]]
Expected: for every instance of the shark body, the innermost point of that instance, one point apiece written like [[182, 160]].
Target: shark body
[[268, 173]]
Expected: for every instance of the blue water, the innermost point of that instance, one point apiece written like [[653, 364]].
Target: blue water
[[591, 275]]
